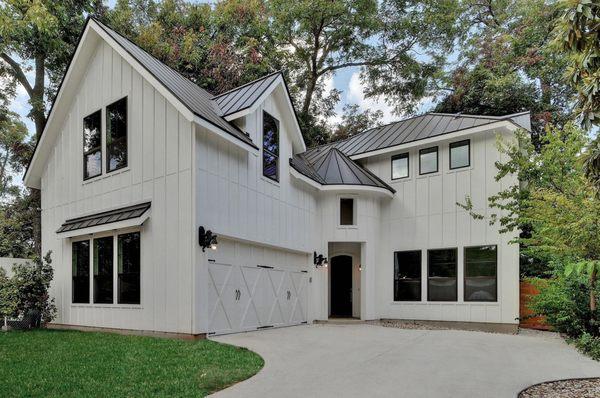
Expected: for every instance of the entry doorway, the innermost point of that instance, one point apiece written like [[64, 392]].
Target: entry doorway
[[341, 286]]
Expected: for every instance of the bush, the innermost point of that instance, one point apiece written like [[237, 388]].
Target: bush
[[589, 345]]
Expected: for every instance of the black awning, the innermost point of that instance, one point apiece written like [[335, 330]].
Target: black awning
[[105, 217]]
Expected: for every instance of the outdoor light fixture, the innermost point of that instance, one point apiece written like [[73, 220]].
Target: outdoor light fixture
[[359, 267], [319, 260], [207, 239]]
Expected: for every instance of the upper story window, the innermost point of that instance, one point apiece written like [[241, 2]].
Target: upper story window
[[270, 147], [400, 166], [428, 160], [460, 154], [92, 145], [346, 211], [116, 135]]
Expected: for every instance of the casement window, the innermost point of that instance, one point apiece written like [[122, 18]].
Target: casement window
[[441, 275], [116, 135], [400, 166], [92, 145], [407, 275], [460, 154], [481, 267], [270, 147], [346, 211], [100, 255], [428, 160]]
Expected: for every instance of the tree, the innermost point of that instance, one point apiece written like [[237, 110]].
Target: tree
[[14, 153], [355, 121]]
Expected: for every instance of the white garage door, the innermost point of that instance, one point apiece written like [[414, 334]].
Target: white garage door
[[243, 298]]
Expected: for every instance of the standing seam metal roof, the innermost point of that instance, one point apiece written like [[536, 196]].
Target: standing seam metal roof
[[245, 96]]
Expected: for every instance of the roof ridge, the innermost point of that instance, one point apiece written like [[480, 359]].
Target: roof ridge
[[246, 84]]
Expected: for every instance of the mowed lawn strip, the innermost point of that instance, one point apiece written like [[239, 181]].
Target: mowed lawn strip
[[51, 363]]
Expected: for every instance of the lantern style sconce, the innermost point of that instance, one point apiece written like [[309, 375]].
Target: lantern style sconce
[[207, 239], [320, 260]]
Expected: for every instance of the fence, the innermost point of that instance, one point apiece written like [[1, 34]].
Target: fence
[[528, 320]]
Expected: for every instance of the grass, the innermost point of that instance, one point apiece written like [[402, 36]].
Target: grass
[[54, 363]]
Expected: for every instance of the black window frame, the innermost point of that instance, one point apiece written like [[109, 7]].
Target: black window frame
[[455, 249], [122, 276], [465, 274], [437, 159], [400, 156], [268, 152], [109, 142], [100, 289], [75, 274], [420, 276], [459, 144], [353, 212], [94, 149]]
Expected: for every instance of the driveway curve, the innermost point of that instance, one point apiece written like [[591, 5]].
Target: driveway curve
[[365, 360]]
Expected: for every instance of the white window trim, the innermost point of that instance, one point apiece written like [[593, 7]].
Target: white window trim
[[354, 225]]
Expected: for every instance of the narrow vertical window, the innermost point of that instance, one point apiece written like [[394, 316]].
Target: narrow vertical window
[[407, 276], [346, 211], [129, 268], [92, 145], [270, 147], [116, 135], [400, 166], [80, 262], [441, 281], [460, 155], [428, 160], [103, 270], [481, 264]]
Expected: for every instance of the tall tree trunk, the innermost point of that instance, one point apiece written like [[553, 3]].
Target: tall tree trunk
[[38, 113], [310, 89], [593, 277]]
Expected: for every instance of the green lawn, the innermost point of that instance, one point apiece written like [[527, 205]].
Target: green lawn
[[53, 363]]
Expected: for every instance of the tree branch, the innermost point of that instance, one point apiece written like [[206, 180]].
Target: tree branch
[[18, 73]]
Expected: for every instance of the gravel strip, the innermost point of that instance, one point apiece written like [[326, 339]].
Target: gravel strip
[[574, 388], [392, 323]]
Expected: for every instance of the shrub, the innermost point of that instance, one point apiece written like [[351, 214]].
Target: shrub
[[589, 345], [8, 296]]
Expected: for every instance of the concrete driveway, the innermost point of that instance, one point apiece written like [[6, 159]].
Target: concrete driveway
[[373, 361]]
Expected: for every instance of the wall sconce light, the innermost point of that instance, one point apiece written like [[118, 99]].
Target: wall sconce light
[[359, 267], [319, 260], [207, 239]]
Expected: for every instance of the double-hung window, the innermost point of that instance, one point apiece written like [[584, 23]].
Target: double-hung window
[[92, 145], [112, 259], [407, 276], [270, 147], [481, 264], [441, 280]]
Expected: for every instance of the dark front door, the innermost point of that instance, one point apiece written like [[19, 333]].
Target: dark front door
[[341, 286]]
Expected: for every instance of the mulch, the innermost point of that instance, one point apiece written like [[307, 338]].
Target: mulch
[[572, 388]]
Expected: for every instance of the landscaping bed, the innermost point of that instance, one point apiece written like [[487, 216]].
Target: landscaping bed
[[572, 388], [45, 363]]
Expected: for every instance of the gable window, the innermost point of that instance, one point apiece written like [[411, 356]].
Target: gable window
[[92, 145], [116, 135], [428, 160], [270, 147], [481, 264], [400, 166], [124, 248], [441, 278], [407, 276], [460, 154], [346, 211]]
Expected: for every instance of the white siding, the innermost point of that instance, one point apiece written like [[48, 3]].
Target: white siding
[[160, 171]]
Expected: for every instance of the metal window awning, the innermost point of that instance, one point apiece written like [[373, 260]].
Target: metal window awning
[[123, 217]]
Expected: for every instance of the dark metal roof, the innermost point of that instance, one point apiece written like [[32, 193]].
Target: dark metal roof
[[245, 96], [332, 167], [195, 98], [106, 217]]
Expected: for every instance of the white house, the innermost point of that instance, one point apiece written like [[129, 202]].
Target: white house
[[136, 161]]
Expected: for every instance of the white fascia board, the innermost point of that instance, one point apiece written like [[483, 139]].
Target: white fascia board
[[132, 222], [440, 138], [225, 135], [340, 187]]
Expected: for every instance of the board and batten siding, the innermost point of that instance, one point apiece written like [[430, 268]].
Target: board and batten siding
[[160, 158], [424, 215]]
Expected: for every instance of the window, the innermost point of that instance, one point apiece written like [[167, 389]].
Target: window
[[460, 154], [407, 276], [481, 264], [123, 248], [270, 147], [116, 135], [103, 270], [129, 268], [428, 160], [92, 145], [441, 280], [80, 262], [400, 166], [346, 211]]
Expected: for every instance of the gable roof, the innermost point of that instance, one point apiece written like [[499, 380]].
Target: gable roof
[[245, 96], [332, 167]]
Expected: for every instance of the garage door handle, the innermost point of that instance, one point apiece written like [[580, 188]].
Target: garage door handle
[[289, 295], [237, 294]]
